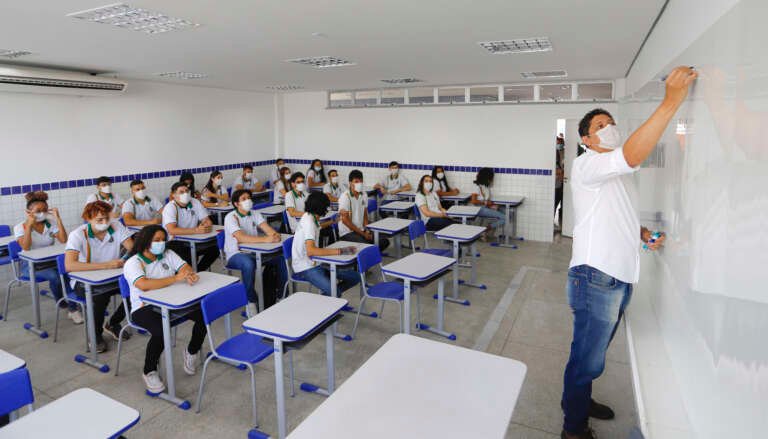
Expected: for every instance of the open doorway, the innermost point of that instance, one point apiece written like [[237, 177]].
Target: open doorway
[[559, 172]]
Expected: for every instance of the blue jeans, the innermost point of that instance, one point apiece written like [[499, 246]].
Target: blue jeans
[[246, 263], [498, 216], [598, 302], [320, 277], [51, 275]]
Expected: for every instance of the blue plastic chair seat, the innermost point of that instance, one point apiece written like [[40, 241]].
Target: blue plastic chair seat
[[25, 278], [5, 260], [244, 347], [387, 290], [72, 297], [438, 252]]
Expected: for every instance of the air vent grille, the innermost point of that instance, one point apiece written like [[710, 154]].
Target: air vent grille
[[522, 45], [322, 62], [547, 74]]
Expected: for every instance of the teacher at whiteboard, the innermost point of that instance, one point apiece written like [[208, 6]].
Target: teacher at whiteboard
[[606, 246]]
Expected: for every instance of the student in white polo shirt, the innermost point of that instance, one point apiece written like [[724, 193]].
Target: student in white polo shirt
[[316, 175], [393, 183], [282, 186], [242, 226], [428, 203], [104, 193], [274, 173], [607, 236], [214, 193], [184, 215], [488, 209], [247, 180], [441, 187], [294, 199], [97, 245], [333, 189], [152, 267], [353, 210], [141, 209]]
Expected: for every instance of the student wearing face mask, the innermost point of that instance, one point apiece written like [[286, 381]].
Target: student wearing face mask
[[295, 198], [141, 209], [435, 216], [275, 173], [104, 193], [333, 189], [214, 193], [184, 215], [189, 179], [247, 180], [393, 183], [482, 197], [316, 175], [282, 186], [42, 228], [353, 209], [441, 187], [96, 245]]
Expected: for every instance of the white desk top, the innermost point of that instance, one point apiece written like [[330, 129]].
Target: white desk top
[[181, 295], [43, 253], [135, 228], [468, 211], [9, 362], [265, 247], [396, 393], [331, 215], [508, 199], [296, 317], [341, 259], [264, 192], [461, 196], [5, 240], [97, 277], [201, 237], [275, 209], [397, 205], [418, 266], [406, 194], [460, 232], [390, 225], [227, 208], [81, 414]]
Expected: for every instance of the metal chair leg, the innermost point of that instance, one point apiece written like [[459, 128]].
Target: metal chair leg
[[8, 298], [293, 377], [357, 317], [253, 397], [381, 311], [119, 348], [202, 383], [400, 306], [56, 325]]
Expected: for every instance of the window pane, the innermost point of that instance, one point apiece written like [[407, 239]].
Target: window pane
[[484, 94], [366, 97], [422, 95], [596, 91], [393, 96], [555, 92], [515, 93], [445, 95], [341, 99]]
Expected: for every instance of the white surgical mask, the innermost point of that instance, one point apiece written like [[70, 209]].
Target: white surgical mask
[[40, 216], [184, 198], [335, 180], [301, 187], [217, 182], [428, 185], [318, 168], [287, 175], [246, 205], [394, 171], [140, 195], [157, 248], [105, 189], [247, 176], [100, 227], [358, 187], [440, 175], [609, 136]]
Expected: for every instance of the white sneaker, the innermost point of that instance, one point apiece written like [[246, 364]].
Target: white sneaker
[[190, 362], [76, 316], [250, 309], [153, 382]]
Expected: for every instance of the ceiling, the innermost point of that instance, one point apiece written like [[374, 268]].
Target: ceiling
[[243, 44]]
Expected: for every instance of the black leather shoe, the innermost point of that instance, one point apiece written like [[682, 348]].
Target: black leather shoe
[[600, 411], [586, 434]]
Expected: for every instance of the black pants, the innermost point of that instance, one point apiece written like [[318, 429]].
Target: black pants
[[205, 256], [100, 302], [439, 223], [152, 321], [354, 237]]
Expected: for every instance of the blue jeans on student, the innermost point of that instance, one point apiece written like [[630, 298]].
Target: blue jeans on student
[[498, 216], [320, 277], [51, 275], [246, 263], [598, 301]]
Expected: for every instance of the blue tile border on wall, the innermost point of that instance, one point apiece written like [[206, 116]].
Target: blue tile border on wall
[[425, 167]]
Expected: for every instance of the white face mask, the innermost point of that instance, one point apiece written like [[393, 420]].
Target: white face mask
[[184, 198], [440, 175], [393, 172], [428, 185], [100, 227], [217, 182], [609, 136], [318, 168], [140, 195], [246, 205], [280, 166], [358, 187], [107, 189], [247, 176], [334, 180], [301, 187], [40, 216], [157, 248], [287, 175]]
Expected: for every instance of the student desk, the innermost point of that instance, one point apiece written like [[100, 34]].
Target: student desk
[[421, 267], [390, 226], [458, 198], [462, 234], [259, 250], [9, 362], [271, 212], [5, 240], [196, 240], [90, 279], [39, 258], [260, 194], [407, 195], [291, 320], [397, 206], [175, 297], [394, 394], [220, 211], [81, 414], [463, 212], [512, 202]]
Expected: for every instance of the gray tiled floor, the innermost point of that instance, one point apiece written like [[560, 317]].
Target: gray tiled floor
[[535, 329]]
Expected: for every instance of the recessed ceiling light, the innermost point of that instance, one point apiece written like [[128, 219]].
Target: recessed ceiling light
[[182, 75], [549, 74], [402, 80], [285, 87], [322, 62], [138, 19], [522, 45], [13, 53]]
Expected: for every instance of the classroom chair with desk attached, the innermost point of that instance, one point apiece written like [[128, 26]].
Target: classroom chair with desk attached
[[416, 230]]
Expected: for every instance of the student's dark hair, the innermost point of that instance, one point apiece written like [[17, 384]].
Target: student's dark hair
[[36, 197], [209, 185], [444, 179], [239, 193], [484, 176], [332, 171], [92, 209], [587, 120], [103, 179], [321, 174], [188, 176], [296, 176], [136, 183], [278, 160], [142, 240], [283, 179], [420, 189], [248, 167], [356, 173], [179, 184], [317, 204], [393, 163]]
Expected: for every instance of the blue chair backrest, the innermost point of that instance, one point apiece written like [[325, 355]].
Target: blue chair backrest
[[271, 196], [14, 248], [229, 191], [286, 222], [267, 184], [367, 258], [125, 289], [372, 205], [416, 212], [416, 230], [5, 230], [62, 269], [262, 205], [223, 301], [288, 248], [220, 240], [15, 390]]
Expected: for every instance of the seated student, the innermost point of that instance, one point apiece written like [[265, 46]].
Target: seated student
[[247, 180], [333, 189], [393, 183], [42, 228], [183, 215], [282, 185], [152, 267], [275, 173], [434, 215], [441, 186], [214, 193], [305, 245], [189, 179], [96, 245], [141, 209], [294, 199], [482, 197], [316, 175], [104, 193], [353, 209], [242, 226]]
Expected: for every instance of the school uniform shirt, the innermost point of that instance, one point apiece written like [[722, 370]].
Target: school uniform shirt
[[314, 175], [438, 185], [247, 184], [235, 221], [274, 174], [278, 198], [483, 192], [606, 232], [147, 210], [208, 194], [187, 217], [295, 200], [307, 229], [334, 191], [39, 240], [431, 200], [356, 206], [94, 250], [113, 200], [138, 266], [390, 183]]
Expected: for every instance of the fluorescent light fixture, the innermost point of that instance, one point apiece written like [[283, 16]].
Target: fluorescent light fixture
[[285, 87], [521, 45], [182, 75], [6, 53], [548, 74], [129, 17], [402, 80], [322, 62]]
